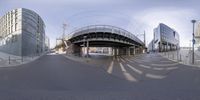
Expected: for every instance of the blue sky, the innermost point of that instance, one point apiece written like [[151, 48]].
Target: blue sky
[[132, 15]]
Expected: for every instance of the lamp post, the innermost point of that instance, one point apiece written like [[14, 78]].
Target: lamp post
[[193, 41]]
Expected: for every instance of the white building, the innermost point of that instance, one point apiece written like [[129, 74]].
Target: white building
[[47, 43], [197, 35], [22, 33]]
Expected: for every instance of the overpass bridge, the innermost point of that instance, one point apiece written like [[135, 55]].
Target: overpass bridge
[[121, 41]]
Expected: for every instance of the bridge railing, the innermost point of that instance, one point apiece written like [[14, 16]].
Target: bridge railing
[[104, 28]]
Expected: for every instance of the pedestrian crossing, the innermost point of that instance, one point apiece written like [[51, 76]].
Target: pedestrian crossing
[[132, 69]]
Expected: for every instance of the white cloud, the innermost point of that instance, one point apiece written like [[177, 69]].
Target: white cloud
[[178, 19]]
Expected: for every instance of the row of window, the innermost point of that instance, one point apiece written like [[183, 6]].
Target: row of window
[[9, 40]]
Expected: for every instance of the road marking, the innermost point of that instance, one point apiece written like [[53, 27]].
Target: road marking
[[171, 68], [122, 67], [134, 69], [165, 64], [128, 76], [122, 60], [166, 61], [129, 60], [110, 68], [144, 66], [117, 58], [155, 68], [155, 76]]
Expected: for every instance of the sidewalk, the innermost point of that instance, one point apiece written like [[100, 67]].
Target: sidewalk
[[8, 60], [183, 56]]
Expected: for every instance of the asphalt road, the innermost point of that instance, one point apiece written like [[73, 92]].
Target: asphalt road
[[145, 77]]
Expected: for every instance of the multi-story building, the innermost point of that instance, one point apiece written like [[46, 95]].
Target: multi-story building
[[151, 47], [165, 38], [47, 43], [22, 33], [197, 35]]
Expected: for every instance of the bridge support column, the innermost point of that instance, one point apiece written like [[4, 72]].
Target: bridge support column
[[128, 51], [115, 51], [134, 49], [87, 52], [75, 49]]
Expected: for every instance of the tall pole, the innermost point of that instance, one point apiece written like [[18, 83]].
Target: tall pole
[[193, 41], [64, 28], [144, 38]]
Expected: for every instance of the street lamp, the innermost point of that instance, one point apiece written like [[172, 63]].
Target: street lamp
[[193, 41]]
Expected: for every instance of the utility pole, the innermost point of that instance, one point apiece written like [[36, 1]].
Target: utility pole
[[144, 38], [193, 41], [64, 28]]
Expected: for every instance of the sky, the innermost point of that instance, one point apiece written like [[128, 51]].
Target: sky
[[135, 16]]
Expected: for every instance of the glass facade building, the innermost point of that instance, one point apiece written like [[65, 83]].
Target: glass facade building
[[165, 38], [22, 33]]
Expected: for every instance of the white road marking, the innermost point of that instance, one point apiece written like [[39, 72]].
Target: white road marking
[[171, 68], [122, 60], [165, 61], [127, 75], [165, 64], [117, 58], [155, 68], [110, 68], [134, 69], [129, 60], [122, 67], [144, 66], [155, 76]]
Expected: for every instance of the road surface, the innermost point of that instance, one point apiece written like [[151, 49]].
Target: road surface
[[145, 77]]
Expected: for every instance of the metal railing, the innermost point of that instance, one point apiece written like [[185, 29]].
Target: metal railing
[[103, 28]]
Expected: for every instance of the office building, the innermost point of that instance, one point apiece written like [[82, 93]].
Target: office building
[[165, 38], [197, 35], [22, 33]]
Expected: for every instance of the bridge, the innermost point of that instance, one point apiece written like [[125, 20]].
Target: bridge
[[121, 41]]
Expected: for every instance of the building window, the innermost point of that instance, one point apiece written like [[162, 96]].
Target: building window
[[15, 26]]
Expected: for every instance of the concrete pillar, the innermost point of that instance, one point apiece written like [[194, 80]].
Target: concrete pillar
[[128, 51], [134, 49], [87, 49], [115, 51], [167, 46]]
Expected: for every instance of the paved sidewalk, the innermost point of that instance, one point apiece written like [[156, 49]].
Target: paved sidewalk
[[183, 56], [8, 60]]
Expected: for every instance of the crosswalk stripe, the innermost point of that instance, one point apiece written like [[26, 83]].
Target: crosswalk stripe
[[158, 68], [117, 58], [165, 64], [127, 75], [122, 67], [134, 69], [129, 60], [122, 60], [155, 76], [171, 68], [144, 66], [110, 68]]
